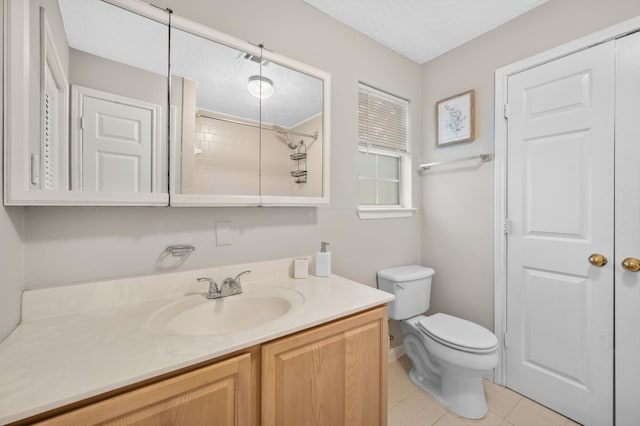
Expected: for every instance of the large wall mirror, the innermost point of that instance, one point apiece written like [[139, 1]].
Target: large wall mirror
[[100, 113], [251, 124], [87, 110], [293, 144], [216, 140]]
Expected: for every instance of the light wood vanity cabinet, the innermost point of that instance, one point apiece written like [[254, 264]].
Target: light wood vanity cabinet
[[216, 394], [334, 374]]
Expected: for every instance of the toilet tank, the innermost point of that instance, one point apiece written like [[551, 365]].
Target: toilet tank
[[411, 284]]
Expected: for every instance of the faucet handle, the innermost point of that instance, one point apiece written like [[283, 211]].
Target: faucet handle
[[237, 278], [213, 287]]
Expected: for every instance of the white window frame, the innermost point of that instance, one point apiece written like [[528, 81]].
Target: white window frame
[[404, 208]]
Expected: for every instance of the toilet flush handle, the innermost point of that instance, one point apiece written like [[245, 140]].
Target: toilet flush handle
[[400, 286]]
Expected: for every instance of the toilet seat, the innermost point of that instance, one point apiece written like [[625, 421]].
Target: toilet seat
[[457, 333]]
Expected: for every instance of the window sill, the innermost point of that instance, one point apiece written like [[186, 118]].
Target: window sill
[[384, 213]]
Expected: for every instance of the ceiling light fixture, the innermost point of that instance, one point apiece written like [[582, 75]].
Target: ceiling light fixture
[[260, 87]]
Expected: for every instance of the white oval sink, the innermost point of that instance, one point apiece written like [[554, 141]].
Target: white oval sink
[[198, 316]]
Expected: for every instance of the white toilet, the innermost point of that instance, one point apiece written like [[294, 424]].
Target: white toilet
[[449, 354]]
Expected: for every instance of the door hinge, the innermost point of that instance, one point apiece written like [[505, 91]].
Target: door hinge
[[506, 226], [82, 123], [506, 110], [504, 340]]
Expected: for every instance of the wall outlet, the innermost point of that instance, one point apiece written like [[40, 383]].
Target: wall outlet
[[223, 233]]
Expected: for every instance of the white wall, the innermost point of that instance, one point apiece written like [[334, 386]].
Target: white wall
[[11, 252], [457, 214], [65, 245]]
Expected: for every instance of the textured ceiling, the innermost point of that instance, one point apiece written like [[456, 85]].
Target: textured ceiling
[[221, 72], [423, 29], [222, 75]]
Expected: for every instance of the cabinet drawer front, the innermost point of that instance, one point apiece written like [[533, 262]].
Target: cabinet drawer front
[[216, 394]]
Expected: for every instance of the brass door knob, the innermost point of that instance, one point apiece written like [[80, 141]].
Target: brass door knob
[[631, 264], [597, 260]]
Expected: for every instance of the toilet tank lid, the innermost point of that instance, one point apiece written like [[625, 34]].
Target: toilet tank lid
[[406, 273]]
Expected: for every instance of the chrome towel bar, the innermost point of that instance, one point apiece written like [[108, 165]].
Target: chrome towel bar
[[483, 157]]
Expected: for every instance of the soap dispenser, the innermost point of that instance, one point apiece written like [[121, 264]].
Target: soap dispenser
[[323, 261]]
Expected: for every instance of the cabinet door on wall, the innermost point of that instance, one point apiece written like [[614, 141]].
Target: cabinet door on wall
[[217, 394], [332, 375]]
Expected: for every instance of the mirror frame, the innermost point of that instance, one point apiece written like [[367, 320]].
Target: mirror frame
[[17, 119], [197, 200]]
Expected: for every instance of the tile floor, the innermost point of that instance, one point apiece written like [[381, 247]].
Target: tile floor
[[410, 406]]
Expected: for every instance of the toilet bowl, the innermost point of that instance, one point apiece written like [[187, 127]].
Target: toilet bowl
[[449, 354], [450, 373]]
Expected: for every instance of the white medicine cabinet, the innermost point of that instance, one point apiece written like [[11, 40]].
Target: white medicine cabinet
[[114, 102]]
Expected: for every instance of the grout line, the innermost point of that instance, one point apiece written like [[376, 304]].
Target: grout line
[[440, 418], [514, 407]]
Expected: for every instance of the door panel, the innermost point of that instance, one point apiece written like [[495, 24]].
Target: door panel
[[556, 162], [627, 288], [560, 205], [117, 146]]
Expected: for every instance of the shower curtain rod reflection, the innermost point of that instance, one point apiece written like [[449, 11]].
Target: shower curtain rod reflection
[[273, 128]]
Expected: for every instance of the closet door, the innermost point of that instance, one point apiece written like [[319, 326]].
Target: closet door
[[627, 287], [559, 342]]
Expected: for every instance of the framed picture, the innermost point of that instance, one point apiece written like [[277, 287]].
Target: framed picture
[[455, 119]]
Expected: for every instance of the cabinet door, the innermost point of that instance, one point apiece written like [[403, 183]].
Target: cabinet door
[[332, 375], [217, 394]]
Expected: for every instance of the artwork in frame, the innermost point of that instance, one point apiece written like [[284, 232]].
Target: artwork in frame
[[455, 119]]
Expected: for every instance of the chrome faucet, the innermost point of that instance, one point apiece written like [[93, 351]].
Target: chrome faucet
[[214, 293], [230, 286]]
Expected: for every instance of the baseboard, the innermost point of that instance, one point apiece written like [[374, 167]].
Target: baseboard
[[396, 352]]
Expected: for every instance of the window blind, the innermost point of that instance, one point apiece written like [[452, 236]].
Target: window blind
[[49, 134], [382, 119]]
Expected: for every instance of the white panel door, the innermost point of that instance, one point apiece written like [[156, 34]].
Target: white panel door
[[560, 206], [117, 142], [627, 287]]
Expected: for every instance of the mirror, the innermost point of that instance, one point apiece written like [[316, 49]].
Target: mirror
[[87, 108], [216, 140], [91, 109], [292, 134], [250, 127]]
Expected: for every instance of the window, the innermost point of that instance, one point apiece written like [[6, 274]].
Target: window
[[384, 160]]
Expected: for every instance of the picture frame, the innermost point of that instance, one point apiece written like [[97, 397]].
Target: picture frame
[[455, 119]]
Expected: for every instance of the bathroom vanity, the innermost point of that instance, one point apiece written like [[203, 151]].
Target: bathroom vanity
[[122, 352]]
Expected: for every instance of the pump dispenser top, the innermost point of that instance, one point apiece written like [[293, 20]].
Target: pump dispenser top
[[323, 261]]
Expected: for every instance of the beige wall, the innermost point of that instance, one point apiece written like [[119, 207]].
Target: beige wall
[[11, 253], [457, 214], [65, 245]]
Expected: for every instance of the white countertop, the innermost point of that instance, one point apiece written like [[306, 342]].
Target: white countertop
[[79, 341]]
